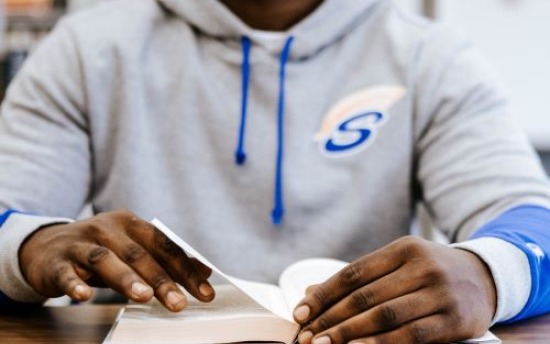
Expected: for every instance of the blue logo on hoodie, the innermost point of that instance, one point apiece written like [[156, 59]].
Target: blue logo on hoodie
[[352, 123], [353, 134]]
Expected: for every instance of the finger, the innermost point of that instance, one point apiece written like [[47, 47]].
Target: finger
[[433, 329], [116, 274], [363, 271], [200, 269], [311, 289], [182, 268], [190, 273], [147, 268], [392, 286], [66, 281], [382, 318]]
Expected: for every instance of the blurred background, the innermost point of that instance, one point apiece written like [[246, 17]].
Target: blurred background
[[25, 22]]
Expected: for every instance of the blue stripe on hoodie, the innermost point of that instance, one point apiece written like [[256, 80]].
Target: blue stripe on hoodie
[[528, 228]]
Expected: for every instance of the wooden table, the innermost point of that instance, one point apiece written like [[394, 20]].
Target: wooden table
[[90, 324], [75, 325]]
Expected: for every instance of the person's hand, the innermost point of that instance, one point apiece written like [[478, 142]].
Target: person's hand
[[116, 250], [409, 292]]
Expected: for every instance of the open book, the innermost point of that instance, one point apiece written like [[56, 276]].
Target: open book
[[242, 311]]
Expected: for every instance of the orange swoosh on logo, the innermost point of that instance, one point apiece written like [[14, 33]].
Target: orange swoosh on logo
[[379, 98]]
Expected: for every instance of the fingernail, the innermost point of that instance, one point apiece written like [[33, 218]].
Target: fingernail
[[80, 291], [206, 290], [175, 300], [301, 313], [305, 337], [139, 289], [322, 340]]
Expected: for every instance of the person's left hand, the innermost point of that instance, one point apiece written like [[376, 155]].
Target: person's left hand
[[411, 291]]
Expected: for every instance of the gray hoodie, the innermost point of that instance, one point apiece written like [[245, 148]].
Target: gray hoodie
[[263, 149]]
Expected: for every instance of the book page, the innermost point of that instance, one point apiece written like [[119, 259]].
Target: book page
[[232, 317], [268, 296], [229, 303], [488, 338], [297, 277], [271, 296]]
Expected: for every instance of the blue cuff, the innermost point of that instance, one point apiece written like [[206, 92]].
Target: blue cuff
[[4, 217], [528, 228]]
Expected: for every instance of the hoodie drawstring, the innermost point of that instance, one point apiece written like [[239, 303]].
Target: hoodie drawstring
[[278, 208], [240, 154], [278, 211]]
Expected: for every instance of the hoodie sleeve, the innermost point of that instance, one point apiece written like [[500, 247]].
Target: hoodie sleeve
[[44, 152], [478, 174]]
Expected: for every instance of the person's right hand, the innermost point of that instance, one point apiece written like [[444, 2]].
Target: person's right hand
[[116, 250]]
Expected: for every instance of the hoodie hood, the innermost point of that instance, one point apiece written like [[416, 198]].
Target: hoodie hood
[[330, 21]]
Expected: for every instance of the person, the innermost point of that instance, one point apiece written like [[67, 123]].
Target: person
[[264, 132]]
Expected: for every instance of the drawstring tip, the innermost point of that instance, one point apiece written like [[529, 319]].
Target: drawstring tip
[[277, 216], [240, 158]]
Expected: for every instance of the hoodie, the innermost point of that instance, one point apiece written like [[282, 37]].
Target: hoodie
[[260, 151]]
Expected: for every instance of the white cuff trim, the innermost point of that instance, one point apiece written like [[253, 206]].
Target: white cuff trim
[[12, 234], [511, 273]]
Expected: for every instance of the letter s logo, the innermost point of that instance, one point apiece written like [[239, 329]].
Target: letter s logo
[[352, 135], [352, 123]]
